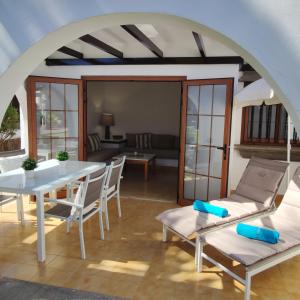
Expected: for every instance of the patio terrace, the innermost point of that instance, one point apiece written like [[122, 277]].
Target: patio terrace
[[132, 262]]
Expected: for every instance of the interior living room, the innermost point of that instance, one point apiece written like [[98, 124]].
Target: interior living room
[[139, 119]]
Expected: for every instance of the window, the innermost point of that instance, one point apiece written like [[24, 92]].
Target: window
[[266, 124]]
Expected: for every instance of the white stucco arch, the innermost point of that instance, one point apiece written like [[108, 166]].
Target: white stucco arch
[[264, 32]]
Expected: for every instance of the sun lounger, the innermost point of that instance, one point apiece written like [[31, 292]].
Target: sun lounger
[[257, 256], [254, 196]]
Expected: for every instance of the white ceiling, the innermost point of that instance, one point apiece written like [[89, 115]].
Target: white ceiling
[[174, 42]]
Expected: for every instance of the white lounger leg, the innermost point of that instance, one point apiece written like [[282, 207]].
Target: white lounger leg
[[198, 254], [165, 233], [247, 286]]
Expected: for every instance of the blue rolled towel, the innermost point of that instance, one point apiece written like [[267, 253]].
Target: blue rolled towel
[[210, 209], [258, 233]]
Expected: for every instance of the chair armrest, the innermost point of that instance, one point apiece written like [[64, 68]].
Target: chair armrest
[[64, 202]]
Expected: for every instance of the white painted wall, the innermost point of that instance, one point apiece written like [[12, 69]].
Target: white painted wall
[[137, 106]]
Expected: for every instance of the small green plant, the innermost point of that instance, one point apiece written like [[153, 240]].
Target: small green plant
[[62, 155], [29, 164]]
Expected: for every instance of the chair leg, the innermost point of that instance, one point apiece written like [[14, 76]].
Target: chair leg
[[101, 225], [119, 205], [68, 226], [247, 287], [106, 215], [165, 233], [198, 254], [82, 247]]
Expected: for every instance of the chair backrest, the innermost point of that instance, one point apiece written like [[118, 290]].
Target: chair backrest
[[114, 174], [290, 204], [261, 180], [92, 190]]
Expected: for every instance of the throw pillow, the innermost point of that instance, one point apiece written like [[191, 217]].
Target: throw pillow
[[131, 140], [94, 142], [143, 140]]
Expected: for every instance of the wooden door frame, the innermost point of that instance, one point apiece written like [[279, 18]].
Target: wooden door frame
[[85, 79], [227, 129], [31, 110]]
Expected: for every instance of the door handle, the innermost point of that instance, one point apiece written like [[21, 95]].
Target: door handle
[[224, 149]]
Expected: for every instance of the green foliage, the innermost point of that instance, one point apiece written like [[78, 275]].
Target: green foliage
[[29, 164], [62, 155], [9, 124]]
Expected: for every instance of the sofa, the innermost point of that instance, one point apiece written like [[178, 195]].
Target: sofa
[[164, 146]]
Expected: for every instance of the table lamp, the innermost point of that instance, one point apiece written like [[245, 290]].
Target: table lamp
[[107, 120]]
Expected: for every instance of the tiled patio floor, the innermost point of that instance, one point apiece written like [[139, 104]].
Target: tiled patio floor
[[132, 262]]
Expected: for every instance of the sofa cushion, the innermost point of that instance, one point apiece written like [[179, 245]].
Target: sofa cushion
[[163, 141], [131, 140]]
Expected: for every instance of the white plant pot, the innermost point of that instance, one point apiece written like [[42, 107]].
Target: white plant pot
[[29, 174]]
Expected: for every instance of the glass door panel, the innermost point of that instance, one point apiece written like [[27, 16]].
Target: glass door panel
[[205, 131], [57, 110]]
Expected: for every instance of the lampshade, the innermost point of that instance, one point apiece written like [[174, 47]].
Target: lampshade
[[107, 119]]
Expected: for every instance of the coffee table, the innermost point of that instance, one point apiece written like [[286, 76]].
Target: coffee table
[[139, 159]]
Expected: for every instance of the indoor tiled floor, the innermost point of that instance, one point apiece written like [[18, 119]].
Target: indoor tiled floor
[[132, 262]]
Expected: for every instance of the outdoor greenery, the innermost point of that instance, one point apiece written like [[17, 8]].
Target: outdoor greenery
[[62, 155], [9, 125], [29, 164]]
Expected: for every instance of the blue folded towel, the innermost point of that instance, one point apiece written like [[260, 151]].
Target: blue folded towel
[[210, 209], [258, 233]]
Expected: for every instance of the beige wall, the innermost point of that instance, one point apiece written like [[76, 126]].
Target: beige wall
[[137, 106]]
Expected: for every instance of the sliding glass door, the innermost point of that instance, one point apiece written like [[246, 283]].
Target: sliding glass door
[[55, 110], [205, 134]]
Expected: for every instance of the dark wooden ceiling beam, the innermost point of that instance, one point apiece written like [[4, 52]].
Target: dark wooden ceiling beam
[[146, 61], [199, 42], [142, 38], [89, 39], [246, 67], [71, 52]]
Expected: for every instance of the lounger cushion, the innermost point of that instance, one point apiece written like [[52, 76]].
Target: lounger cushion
[[248, 251], [186, 221], [259, 184]]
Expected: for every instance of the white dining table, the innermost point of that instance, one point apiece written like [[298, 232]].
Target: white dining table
[[48, 176]]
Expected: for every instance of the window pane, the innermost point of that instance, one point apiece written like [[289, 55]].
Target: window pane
[[71, 96], [283, 124], [216, 159], [42, 96], [201, 188], [72, 124], [57, 96], [202, 160], [193, 100], [206, 100], [72, 148], [43, 124], [219, 102], [58, 128], [189, 186], [256, 121], [190, 158], [217, 133], [44, 149], [214, 189], [191, 129], [204, 130]]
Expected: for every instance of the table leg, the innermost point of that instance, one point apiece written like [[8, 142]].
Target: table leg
[[146, 171], [41, 249]]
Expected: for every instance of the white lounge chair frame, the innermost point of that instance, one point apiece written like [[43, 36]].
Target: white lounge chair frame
[[198, 244]]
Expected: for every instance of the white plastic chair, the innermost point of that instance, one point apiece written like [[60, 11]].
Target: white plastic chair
[[87, 202], [112, 186]]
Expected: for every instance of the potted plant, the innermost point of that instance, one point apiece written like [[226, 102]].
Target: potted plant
[[62, 157], [29, 165]]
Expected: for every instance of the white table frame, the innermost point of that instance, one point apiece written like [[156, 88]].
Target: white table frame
[[10, 182]]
